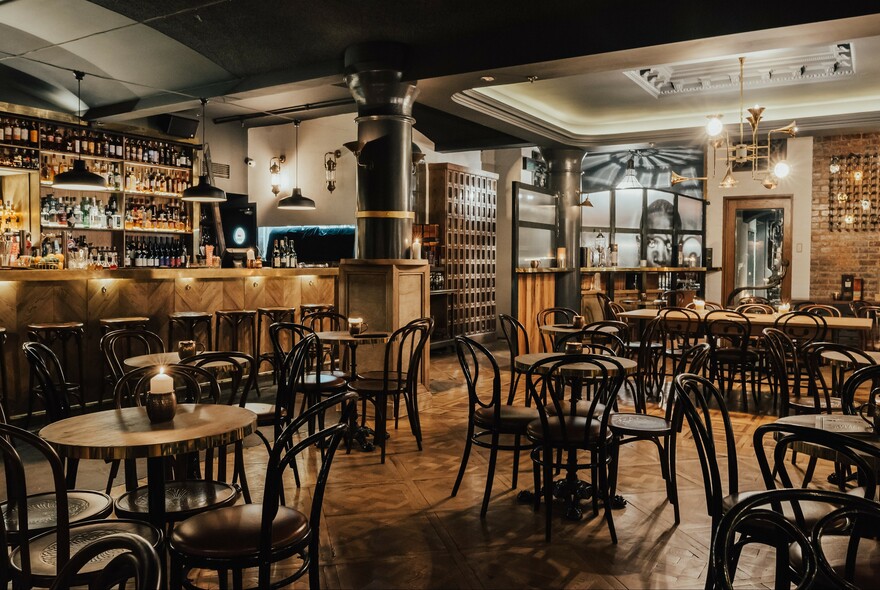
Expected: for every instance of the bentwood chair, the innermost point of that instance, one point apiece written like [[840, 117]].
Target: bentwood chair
[[251, 536], [37, 559], [553, 315], [517, 339], [400, 378], [680, 329], [550, 384], [871, 338], [489, 418], [138, 561], [118, 345], [755, 308], [820, 557], [728, 333], [828, 365], [193, 487]]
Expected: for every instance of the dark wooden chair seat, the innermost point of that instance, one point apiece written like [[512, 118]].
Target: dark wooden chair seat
[[866, 568], [207, 535], [82, 505], [581, 408], [42, 549], [513, 419], [183, 499], [569, 431], [639, 424]]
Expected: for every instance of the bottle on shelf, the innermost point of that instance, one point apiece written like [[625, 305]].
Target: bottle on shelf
[[276, 256], [291, 255]]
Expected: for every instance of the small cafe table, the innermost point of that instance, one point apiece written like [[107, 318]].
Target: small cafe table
[[572, 489], [848, 425], [127, 433], [359, 433], [151, 360]]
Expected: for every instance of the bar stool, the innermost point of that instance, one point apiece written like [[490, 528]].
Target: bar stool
[[109, 325], [235, 319], [189, 321], [61, 333], [307, 309], [272, 315]]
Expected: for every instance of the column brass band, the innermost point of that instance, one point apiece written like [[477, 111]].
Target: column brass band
[[386, 214]]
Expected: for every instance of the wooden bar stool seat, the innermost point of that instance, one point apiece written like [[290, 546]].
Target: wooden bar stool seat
[[189, 321], [58, 336], [272, 315], [126, 323]]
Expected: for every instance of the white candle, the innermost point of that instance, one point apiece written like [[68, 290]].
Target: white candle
[[699, 304], [161, 383], [784, 307], [417, 250]]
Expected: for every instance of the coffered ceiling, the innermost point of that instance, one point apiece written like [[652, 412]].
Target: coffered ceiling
[[491, 73]]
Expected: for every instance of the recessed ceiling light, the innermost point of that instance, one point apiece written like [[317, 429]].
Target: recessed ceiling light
[[487, 78]]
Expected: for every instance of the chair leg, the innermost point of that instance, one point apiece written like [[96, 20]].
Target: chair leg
[[536, 473], [516, 448], [603, 485], [548, 491], [464, 458], [808, 476], [493, 457], [381, 410]]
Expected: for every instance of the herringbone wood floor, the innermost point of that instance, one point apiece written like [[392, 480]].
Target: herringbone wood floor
[[396, 526]]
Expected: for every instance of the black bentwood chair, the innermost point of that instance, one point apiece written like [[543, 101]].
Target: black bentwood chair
[[138, 561], [489, 417], [839, 551], [257, 535]]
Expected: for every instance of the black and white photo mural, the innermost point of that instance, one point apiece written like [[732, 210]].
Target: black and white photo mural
[[603, 170]]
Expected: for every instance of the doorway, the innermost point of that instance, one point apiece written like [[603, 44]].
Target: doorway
[[757, 239]]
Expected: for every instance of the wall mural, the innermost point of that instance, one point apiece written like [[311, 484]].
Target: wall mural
[[604, 170]]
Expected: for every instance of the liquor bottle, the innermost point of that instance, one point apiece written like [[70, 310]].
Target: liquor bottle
[[34, 134], [276, 256], [283, 253], [292, 262]]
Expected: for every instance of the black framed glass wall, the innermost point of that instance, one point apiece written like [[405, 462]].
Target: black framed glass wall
[[535, 226], [650, 227]]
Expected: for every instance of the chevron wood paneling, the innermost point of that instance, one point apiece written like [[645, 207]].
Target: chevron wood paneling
[[535, 291]]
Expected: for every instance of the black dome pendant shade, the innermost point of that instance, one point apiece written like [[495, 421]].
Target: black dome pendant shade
[[296, 201], [204, 191], [79, 178]]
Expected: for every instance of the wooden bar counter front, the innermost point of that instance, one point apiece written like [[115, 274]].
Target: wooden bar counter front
[[43, 296]]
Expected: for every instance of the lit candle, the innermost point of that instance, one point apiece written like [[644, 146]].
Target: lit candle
[[699, 304], [161, 383], [784, 307], [560, 257], [416, 250]]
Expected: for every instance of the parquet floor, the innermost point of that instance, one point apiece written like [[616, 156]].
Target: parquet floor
[[396, 526]]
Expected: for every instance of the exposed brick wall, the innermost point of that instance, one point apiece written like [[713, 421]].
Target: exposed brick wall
[[833, 253]]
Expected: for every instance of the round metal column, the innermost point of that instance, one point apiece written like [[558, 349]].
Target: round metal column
[[564, 167], [385, 199]]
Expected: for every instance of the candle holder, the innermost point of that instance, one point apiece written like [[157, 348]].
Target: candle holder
[[161, 407]]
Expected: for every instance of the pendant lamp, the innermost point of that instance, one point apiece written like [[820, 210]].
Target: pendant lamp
[[204, 191], [296, 201], [79, 178]]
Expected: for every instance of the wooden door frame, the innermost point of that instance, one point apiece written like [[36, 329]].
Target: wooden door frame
[[731, 205]]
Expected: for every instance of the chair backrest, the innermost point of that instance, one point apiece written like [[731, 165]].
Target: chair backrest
[[238, 366], [692, 397], [858, 516], [841, 360], [856, 307], [694, 359], [550, 383], [866, 375], [284, 453], [802, 327], [727, 329], [616, 310], [828, 311], [755, 308], [191, 385], [307, 310], [50, 377], [754, 299], [595, 339], [138, 560], [797, 305], [871, 340], [553, 315], [605, 305], [284, 335], [683, 326], [707, 305], [477, 361], [14, 444], [515, 334], [785, 364], [118, 345], [404, 351], [325, 321], [292, 369]]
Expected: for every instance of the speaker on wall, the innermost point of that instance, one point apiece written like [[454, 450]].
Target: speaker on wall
[[177, 126]]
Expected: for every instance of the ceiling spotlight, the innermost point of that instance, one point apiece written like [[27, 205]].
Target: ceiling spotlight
[[781, 169]]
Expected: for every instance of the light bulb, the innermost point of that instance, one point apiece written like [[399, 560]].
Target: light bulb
[[857, 176], [866, 204], [842, 197], [714, 126], [781, 169], [848, 219]]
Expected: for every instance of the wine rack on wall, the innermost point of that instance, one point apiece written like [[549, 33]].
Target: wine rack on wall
[[463, 202], [853, 198]]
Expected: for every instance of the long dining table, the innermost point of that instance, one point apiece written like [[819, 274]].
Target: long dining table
[[759, 321]]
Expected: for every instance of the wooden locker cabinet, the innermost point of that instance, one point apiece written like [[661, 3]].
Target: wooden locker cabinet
[[462, 201]]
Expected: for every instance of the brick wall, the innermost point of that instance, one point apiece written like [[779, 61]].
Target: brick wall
[[834, 253]]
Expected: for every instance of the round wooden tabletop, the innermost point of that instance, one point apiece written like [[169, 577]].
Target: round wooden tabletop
[[525, 361], [852, 426], [127, 433], [345, 337], [151, 360], [569, 328], [836, 357]]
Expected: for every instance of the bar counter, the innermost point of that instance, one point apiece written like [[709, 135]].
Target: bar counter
[[42, 296]]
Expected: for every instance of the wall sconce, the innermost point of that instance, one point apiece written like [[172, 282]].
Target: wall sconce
[[417, 158], [275, 173], [330, 168]]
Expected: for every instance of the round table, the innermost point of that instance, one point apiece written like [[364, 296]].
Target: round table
[[151, 360], [127, 433], [361, 434], [525, 361], [852, 426], [837, 358]]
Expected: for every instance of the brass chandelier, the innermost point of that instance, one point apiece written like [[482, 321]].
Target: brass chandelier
[[749, 149]]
